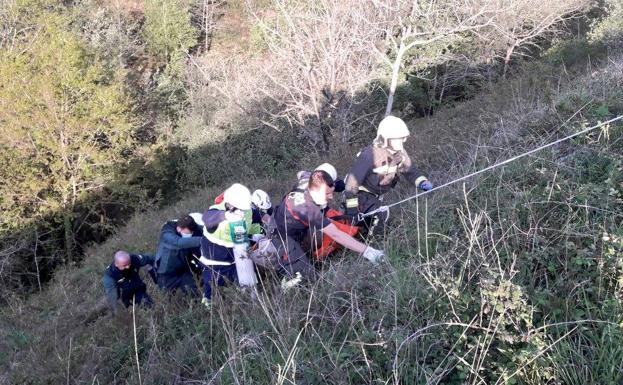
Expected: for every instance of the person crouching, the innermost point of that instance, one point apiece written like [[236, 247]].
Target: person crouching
[[225, 240]]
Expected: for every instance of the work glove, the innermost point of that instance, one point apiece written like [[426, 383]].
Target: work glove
[[426, 185], [287, 284], [207, 303], [234, 216], [373, 255]]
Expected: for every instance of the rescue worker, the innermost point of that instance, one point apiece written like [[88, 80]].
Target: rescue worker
[[377, 170], [122, 280], [179, 241], [303, 178], [262, 209], [227, 227], [299, 214]]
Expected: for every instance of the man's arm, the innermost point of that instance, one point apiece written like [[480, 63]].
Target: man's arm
[[358, 172], [344, 239], [174, 241], [212, 218], [110, 288], [144, 259], [412, 174]]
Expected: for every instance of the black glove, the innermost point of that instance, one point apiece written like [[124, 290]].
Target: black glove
[[339, 185]]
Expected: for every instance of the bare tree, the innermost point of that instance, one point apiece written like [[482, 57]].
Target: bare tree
[[206, 12], [326, 51], [525, 22], [320, 55], [414, 24]]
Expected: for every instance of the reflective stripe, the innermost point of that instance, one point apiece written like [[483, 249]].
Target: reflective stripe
[[387, 169], [352, 202], [212, 262], [420, 180], [361, 188], [216, 240]]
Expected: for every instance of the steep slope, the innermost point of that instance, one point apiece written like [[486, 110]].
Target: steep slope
[[514, 278]]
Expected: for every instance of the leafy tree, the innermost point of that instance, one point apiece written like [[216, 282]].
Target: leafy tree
[[64, 124], [168, 27]]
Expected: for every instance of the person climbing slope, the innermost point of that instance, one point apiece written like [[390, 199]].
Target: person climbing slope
[[227, 226], [377, 170]]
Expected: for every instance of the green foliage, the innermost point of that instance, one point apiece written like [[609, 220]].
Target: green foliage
[[167, 28], [573, 52], [169, 97], [609, 29], [67, 122]]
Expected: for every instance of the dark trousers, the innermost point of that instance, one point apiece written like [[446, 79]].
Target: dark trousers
[[375, 224], [217, 275], [184, 281], [292, 259], [140, 298]]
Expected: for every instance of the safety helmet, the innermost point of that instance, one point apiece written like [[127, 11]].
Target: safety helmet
[[261, 199], [238, 196], [329, 169], [391, 127]]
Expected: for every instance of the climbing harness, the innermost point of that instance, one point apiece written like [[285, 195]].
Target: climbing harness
[[386, 208]]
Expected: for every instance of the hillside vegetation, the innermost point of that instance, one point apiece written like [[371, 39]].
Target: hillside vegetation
[[515, 277]]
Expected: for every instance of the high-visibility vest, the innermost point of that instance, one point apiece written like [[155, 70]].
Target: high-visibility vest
[[226, 233]]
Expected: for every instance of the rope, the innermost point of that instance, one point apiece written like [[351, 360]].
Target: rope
[[507, 161]]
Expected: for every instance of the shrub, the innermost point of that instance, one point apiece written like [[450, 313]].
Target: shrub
[[168, 27]]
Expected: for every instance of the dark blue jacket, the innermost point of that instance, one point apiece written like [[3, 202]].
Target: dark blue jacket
[[124, 284], [174, 250]]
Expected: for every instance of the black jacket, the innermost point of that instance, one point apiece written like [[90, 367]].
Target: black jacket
[[124, 284], [377, 171]]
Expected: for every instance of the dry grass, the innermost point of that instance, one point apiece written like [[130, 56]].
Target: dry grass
[[457, 303]]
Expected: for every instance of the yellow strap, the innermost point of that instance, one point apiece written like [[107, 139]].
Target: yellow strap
[[361, 188]]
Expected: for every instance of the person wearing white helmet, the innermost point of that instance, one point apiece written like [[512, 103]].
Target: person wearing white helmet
[[300, 215], [303, 178], [261, 200], [226, 229], [376, 171], [262, 209]]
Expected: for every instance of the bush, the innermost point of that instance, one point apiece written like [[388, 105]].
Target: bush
[[167, 28]]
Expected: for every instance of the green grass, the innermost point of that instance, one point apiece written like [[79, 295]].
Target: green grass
[[515, 278]]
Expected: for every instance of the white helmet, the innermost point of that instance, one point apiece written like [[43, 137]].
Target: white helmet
[[329, 169], [238, 196], [261, 199], [391, 127]]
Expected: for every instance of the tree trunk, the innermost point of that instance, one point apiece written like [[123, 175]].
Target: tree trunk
[[394, 83], [69, 236], [507, 59]]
